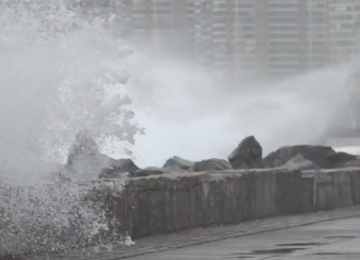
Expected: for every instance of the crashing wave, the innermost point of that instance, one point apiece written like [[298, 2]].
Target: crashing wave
[[60, 73]]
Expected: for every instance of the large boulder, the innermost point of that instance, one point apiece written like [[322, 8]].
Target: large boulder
[[342, 158], [117, 168], [352, 164], [300, 163], [85, 160], [211, 165], [248, 155], [84, 146], [176, 164], [322, 156]]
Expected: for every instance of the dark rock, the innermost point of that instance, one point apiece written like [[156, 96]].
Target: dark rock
[[85, 158], [211, 165], [300, 163], [83, 147], [352, 164], [248, 155], [117, 168], [322, 156], [89, 165], [176, 163], [341, 158]]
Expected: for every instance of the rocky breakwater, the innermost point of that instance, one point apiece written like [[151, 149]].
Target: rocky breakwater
[[184, 194], [123, 199], [85, 159], [247, 155]]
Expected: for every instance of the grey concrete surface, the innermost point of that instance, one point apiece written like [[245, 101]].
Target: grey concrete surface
[[178, 210], [339, 239], [281, 238]]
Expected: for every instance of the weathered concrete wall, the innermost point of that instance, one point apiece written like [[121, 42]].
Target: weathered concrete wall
[[175, 202], [335, 188], [168, 203]]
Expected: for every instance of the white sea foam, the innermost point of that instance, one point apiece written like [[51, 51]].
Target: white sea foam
[[55, 71]]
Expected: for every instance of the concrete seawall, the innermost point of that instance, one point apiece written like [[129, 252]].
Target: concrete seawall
[[176, 202], [166, 203]]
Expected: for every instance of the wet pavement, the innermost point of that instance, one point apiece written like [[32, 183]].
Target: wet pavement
[[339, 239], [320, 235]]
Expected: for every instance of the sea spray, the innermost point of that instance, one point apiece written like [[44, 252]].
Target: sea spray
[[57, 60], [55, 218], [61, 73], [196, 116], [57, 69]]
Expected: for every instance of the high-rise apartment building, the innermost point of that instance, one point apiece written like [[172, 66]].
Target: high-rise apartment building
[[249, 34], [317, 32], [280, 37], [343, 28], [210, 32], [155, 23], [226, 34], [145, 22], [298, 35]]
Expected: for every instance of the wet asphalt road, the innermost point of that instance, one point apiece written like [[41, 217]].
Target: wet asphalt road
[[320, 235], [339, 239]]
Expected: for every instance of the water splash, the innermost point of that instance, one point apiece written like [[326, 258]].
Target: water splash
[[57, 72], [46, 219], [191, 114], [61, 73]]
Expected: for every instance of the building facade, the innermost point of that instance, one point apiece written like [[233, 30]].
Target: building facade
[[278, 37], [343, 29]]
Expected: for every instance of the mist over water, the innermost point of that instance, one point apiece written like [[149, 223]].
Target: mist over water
[[196, 116]]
